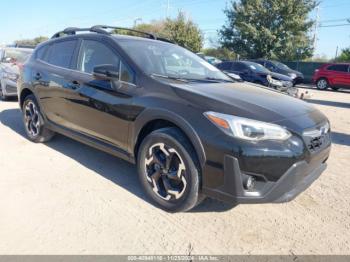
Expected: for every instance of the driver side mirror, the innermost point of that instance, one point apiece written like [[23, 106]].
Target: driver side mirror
[[106, 72]]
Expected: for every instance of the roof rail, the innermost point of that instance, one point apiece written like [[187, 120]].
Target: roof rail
[[150, 35], [100, 29], [74, 30]]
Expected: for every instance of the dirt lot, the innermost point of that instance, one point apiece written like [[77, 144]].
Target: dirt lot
[[67, 198]]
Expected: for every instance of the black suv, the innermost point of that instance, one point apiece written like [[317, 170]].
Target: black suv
[[280, 68], [190, 129]]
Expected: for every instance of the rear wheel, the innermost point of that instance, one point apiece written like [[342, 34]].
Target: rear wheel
[[34, 122], [168, 170], [322, 84]]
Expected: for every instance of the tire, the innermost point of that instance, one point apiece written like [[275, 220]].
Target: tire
[[322, 84], [173, 185], [3, 97], [34, 124]]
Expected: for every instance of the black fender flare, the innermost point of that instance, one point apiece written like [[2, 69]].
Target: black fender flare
[[150, 115]]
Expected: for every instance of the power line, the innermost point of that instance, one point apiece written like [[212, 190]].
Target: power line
[[335, 25], [335, 20]]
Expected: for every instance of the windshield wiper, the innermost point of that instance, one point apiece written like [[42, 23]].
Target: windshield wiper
[[219, 79], [171, 77]]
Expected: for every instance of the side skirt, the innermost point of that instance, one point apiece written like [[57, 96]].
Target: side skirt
[[93, 142]]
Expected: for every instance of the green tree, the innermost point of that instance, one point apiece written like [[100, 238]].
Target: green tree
[[220, 53], [184, 32], [344, 56], [32, 42], [269, 28], [156, 27], [179, 30]]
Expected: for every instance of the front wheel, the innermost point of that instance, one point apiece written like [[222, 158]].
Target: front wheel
[[168, 170], [322, 84], [34, 122], [3, 97]]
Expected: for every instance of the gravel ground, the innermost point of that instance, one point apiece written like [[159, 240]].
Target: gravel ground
[[67, 198]]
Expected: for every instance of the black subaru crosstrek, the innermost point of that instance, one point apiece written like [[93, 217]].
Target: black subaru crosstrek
[[192, 131]]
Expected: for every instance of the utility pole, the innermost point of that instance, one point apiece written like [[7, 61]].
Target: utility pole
[[316, 27], [167, 8], [139, 19], [336, 52]]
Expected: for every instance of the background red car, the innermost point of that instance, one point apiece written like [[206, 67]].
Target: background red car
[[333, 76]]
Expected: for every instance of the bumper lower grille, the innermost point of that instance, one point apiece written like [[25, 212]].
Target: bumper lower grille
[[318, 138]]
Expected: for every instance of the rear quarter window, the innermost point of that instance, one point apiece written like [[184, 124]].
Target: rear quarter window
[[338, 68]]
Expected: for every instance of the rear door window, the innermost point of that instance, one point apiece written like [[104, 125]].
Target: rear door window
[[61, 53], [225, 66], [239, 67], [339, 68]]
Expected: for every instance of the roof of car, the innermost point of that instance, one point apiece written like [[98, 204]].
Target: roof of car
[[18, 48]]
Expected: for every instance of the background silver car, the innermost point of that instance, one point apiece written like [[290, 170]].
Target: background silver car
[[11, 59]]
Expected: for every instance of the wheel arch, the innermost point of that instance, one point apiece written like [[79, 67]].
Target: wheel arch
[[152, 120], [24, 93]]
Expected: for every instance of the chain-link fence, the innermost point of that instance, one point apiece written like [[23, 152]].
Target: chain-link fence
[[307, 68]]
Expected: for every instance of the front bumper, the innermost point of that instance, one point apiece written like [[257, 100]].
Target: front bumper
[[298, 80], [294, 181]]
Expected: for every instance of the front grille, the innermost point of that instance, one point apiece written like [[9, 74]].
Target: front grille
[[317, 138]]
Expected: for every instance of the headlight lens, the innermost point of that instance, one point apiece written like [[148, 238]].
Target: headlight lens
[[292, 75], [247, 129], [274, 81]]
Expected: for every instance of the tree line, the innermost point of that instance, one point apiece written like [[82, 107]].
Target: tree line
[[271, 29]]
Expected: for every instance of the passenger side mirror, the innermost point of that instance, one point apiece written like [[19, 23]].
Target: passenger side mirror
[[106, 72]]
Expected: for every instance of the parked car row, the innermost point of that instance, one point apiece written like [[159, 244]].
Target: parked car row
[[191, 129], [11, 60], [333, 76], [258, 74]]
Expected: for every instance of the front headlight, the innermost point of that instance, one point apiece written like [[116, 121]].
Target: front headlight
[[292, 75], [247, 129], [273, 82]]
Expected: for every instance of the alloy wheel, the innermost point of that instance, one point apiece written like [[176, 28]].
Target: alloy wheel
[[165, 172], [322, 84], [32, 119]]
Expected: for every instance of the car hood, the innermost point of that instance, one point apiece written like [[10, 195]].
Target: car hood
[[10, 68], [285, 71], [250, 101]]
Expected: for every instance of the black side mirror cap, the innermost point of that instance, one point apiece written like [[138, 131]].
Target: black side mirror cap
[[107, 72]]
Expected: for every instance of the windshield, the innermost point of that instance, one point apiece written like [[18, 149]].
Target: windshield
[[257, 68], [16, 55], [168, 60], [280, 65]]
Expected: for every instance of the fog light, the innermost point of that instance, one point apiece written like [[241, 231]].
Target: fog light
[[249, 182]]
